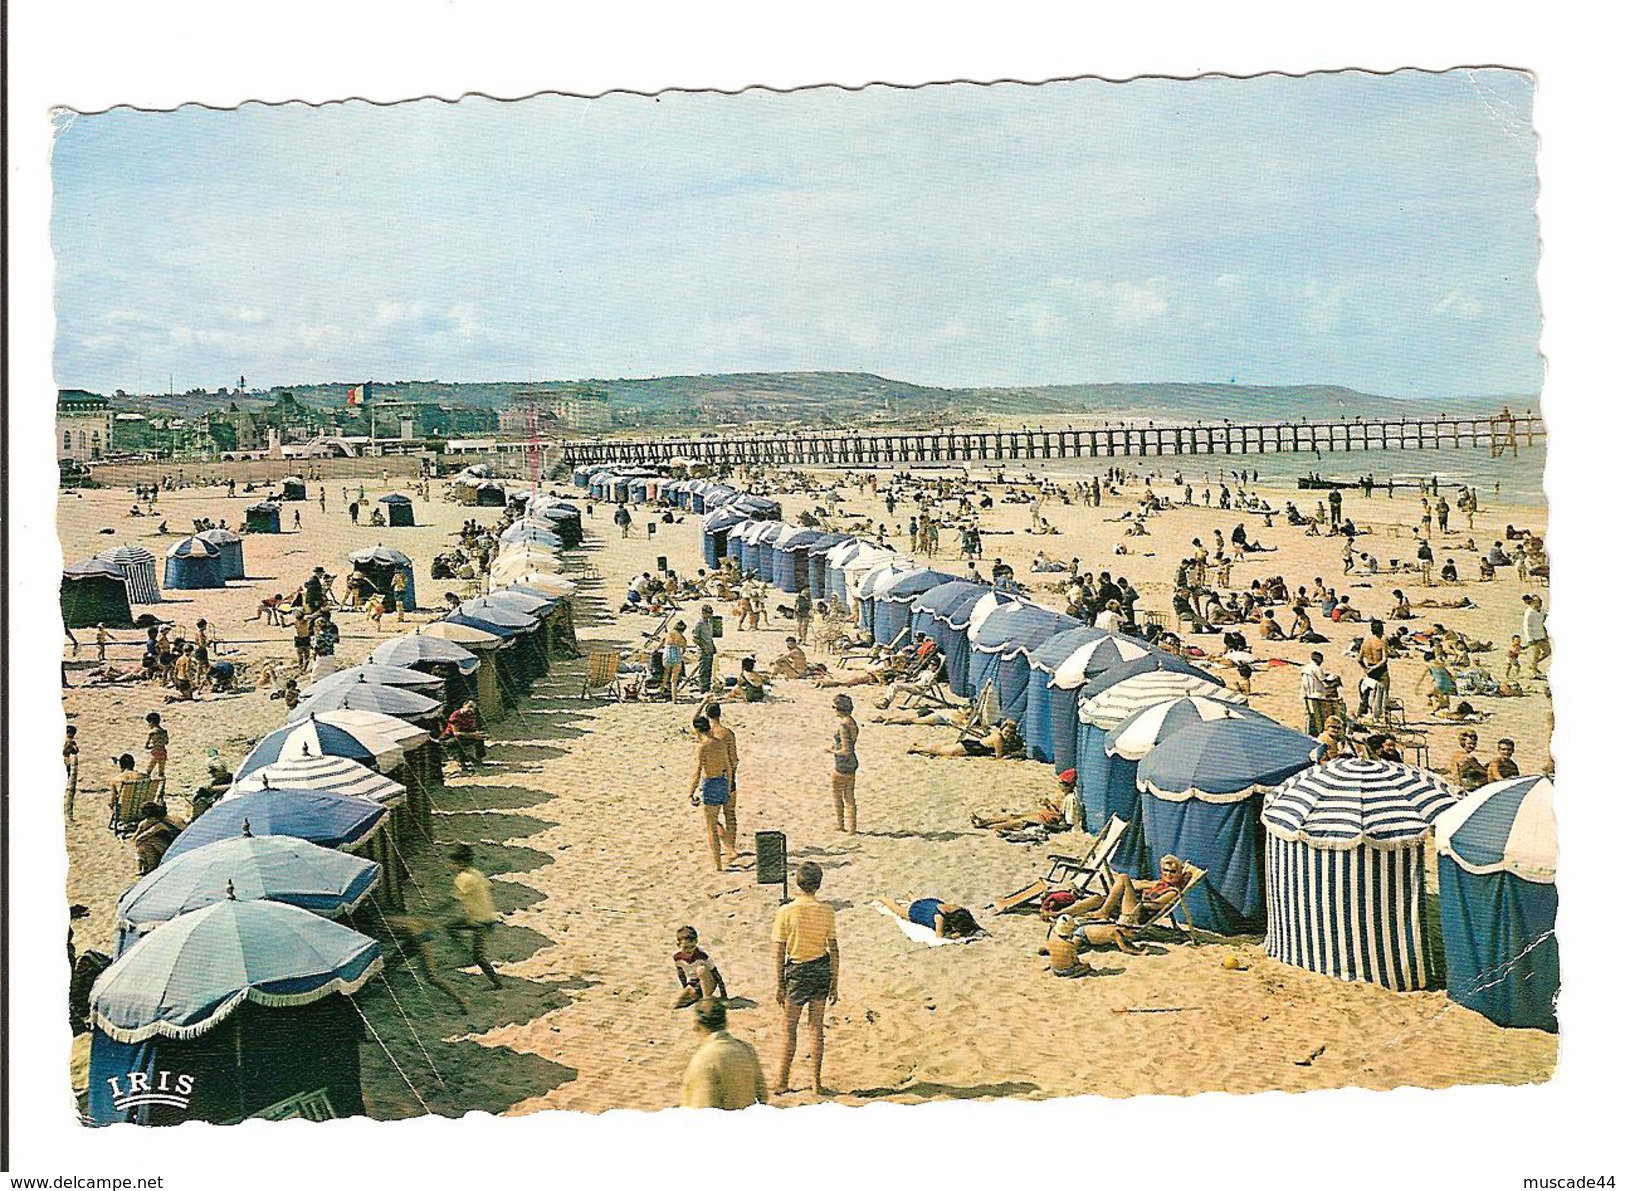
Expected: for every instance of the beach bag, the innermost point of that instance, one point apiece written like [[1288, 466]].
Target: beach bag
[[716, 626]]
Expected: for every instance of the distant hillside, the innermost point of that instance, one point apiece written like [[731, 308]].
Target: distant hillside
[[851, 398]]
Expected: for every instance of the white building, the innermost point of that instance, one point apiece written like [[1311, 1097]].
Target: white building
[[84, 426]]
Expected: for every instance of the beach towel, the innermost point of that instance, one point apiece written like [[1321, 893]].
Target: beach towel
[[915, 931]]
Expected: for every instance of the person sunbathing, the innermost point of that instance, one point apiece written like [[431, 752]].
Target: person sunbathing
[[1002, 743], [792, 663], [946, 919], [1048, 814], [932, 674], [1135, 902], [909, 717]]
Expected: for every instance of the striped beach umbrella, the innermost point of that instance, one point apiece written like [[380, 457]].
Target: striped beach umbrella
[[418, 649], [1344, 871], [372, 672], [140, 571], [327, 820], [335, 775], [313, 737], [1498, 902]]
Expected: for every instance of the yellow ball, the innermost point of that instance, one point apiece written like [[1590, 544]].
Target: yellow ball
[[1230, 963]]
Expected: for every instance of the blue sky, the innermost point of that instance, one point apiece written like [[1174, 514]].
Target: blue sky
[[1376, 232]]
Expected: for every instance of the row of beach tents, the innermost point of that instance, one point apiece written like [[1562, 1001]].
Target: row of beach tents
[[1328, 860], [233, 966]]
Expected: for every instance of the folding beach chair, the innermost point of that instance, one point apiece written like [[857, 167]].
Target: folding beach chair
[[1168, 918], [895, 644], [603, 676], [984, 713], [1089, 873], [125, 803]]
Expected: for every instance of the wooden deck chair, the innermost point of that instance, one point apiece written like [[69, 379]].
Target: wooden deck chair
[[124, 804], [984, 713], [603, 676], [891, 647], [1089, 873], [1168, 918]]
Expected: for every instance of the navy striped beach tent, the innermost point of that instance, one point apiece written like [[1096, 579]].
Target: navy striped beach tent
[[818, 556], [1036, 728], [790, 559], [714, 531], [140, 572], [936, 606], [1201, 793], [1343, 871], [1012, 676], [192, 564], [231, 552], [1498, 902], [1088, 660], [736, 542]]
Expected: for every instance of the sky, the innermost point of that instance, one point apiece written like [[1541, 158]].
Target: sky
[[1371, 231]]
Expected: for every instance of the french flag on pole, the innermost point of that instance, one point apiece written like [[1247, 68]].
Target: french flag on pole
[[360, 394]]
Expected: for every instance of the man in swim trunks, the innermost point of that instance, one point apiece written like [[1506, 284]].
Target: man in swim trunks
[[712, 784]]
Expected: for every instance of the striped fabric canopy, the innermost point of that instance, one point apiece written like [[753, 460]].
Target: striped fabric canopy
[[368, 696], [336, 775], [950, 601], [1096, 656], [1352, 802], [381, 555], [1150, 726], [311, 737], [1225, 760], [415, 649], [1138, 691], [1504, 827], [140, 572]]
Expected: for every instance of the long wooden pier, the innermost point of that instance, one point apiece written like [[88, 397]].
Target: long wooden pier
[[1498, 432]]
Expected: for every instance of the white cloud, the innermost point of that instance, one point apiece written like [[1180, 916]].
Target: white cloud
[[1138, 303], [1460, 304]]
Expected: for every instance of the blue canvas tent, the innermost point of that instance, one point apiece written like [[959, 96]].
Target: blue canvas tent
[[1012, 672], [945, 614], [714, 532], [95, 593], [1089, 659], [192, 564], [378, 566], [226, 1011], [894, 600], [1201, 794], [397, 509], [880, 570], [1036, 727], [1498, 902], [231, 552], [1343, 871], [139, 569], [818, 556], [758, 554], [790, 562], [264, 517], [1087, 753]]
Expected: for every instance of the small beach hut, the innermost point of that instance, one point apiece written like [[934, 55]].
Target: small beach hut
[[192, 564], [1344, 869], [506, 618], [714, 531], [943, 613], [878, 570], [487, 685], [490, 494], [894, 599], [264, 517], [790, 560], [228, 1012], [94, 592], [1036, 727], [834, 577], [293, 488], [1012, 676], [378, 565], [1498, 902], [566, 522], [758, 555], [960, 630], [818, 556], [140, 572], [1201, 793], [1089, 658], [532, 532], [231, 552], [397, 509]]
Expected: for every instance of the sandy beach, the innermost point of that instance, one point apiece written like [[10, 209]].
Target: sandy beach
[[583, 823]]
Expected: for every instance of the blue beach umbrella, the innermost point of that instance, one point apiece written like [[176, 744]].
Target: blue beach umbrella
[[1498, 902], [416, 649], [325, 819], [1201, 795], [188, 975], [368, 696], [1347, 853], [314, 738], [276, 868], [379, 675]]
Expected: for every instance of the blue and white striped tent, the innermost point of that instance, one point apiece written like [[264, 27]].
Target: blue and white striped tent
[[1343, 871], [790, 558], [1099, 707], [736, 541], [140, 572], [988, 638], [818, 556], [1000, 655], [1498, 902], [1201, 791], [880, 570], [758, 555]]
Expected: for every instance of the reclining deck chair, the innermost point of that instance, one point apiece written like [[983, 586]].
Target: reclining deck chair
[[871, 653], [1089, 873], [125, 803], [603, 676], [1168, 918]]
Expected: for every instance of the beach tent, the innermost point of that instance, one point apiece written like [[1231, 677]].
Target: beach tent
[[1201, 793], [834, 577], [401, 676], [944, 613], [227, 1012], [397, 509], [1007, 634], [231, 552], [140, 572], [758, 554], [94, 592], [1106, 708], [566, 522], [1091, 671], [714, 532], [960, 630], [378, 566], [506, 619], [736, 542], [582, 476], [544, 582], [452, 664], [263, 517], [487, 685], [526, 530], [1036, 726], [191, 565], [293, 488], [790, 561], [277, 868], [894, 599], [491, 495], [818, 556], [713, 496], [1498, 902], [551, 608], [1344, 871], [877, 570]]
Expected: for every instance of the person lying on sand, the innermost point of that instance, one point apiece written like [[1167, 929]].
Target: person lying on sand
[[1048, 814], [885, 672], [909, 717], [949, 921], [1002, 743]]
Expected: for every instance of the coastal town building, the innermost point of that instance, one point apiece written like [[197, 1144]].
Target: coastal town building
[[84, 426]]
